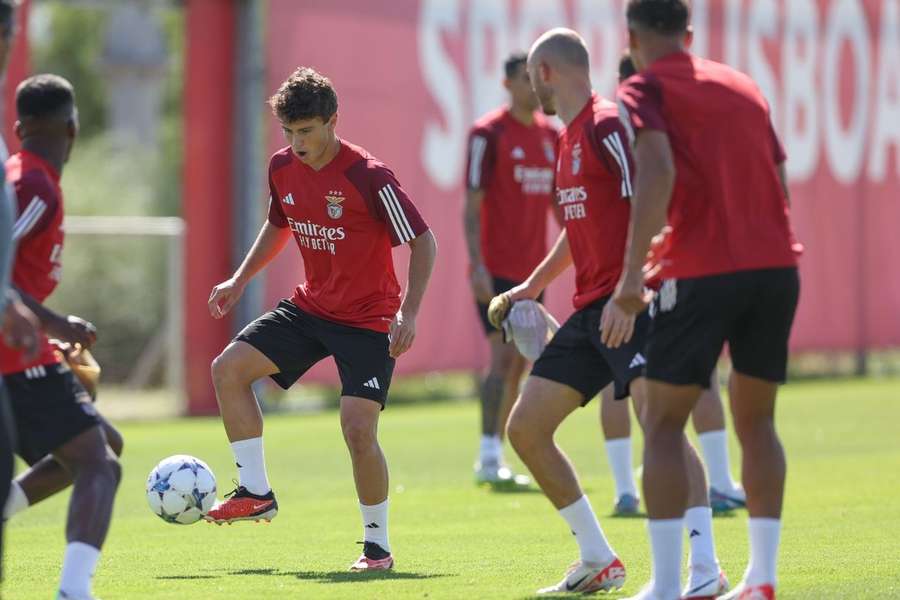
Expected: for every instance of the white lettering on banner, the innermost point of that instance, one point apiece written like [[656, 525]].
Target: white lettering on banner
[[800, 114], [443, 143], [763, 24], [488, 44], [886, 128], [804, 91], [598, 22], [845, 147]]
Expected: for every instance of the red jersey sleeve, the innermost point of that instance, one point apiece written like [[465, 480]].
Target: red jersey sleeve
[[640, 104], [392, 205], [37, 204], [480, 159], [608, 140], [276, 214]]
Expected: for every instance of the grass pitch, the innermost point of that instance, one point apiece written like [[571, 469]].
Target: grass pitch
[[453, 540]]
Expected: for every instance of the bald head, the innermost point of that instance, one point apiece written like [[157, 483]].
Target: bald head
[[561, 47]]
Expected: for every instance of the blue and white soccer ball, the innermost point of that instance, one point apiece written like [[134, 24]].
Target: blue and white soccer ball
[[181, 489]]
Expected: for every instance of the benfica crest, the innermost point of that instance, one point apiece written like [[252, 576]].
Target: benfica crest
[[334, 199], [549, 152]]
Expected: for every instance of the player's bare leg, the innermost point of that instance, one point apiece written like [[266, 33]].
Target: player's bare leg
[[499, 391], [665, 480], [359, 423], [615, 420], [96, 474], [763, 473], [233, 374], [48, 477], [709, 423], [542, 406]]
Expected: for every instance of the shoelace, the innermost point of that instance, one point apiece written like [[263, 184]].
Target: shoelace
[[238, 488]]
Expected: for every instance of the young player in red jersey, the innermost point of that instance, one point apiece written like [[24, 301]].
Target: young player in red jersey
[[59, 431], [707, 156], [708, 418], [345, 210], [509, 193], [593, 186]]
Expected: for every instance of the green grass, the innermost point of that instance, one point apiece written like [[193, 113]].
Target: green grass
[[452, 540]]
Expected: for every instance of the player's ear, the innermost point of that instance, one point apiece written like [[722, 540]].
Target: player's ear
[[19, 129], [332, 122], [506, 83]]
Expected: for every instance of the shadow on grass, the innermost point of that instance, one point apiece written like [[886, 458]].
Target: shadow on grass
[[725, 514], [340, 576], [187, 577]]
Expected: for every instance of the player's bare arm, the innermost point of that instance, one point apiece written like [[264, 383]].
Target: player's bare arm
[[67, 328], [20, 326], [423, 251], [557, 260], [479, 278], [269, 243]]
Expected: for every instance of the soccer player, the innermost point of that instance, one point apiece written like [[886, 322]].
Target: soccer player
[[593, 184], [708, 157], [708, 418], [509, 191], [58, 429], [345, 210]]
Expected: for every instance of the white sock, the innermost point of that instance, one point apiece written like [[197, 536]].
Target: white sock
[[16, 502], [703, 562], [490, 448], [251, 464], [715, 455], [375, 524], [583, 523], [78, 569], [765, 534], [498, 447], [665, 541], [618, 453]]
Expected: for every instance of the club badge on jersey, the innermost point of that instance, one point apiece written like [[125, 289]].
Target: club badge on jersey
[[549, 152], [576, 159], [334, 199]]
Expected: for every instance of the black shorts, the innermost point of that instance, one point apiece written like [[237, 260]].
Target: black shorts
[[693, 318], [50, 407], [295, 341], [500, 285], [577, 358]]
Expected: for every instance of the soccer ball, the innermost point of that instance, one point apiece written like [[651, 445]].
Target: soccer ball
[[181, 489]]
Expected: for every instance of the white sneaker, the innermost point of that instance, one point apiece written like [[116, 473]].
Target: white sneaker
[[585, 578], [496, 473], [702, 588]]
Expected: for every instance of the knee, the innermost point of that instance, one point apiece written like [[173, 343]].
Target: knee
[[226, 371], [114, 440], [752, 429], [359, 436], [503, 364], [522, 432], [105, 469]]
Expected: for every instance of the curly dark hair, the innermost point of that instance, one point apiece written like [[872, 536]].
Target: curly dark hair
[[667, 17], [306, 94]]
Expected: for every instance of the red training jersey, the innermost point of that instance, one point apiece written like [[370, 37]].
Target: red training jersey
[[513, 164], [38, 233], [593, 187], [728, 211], [345, 219]]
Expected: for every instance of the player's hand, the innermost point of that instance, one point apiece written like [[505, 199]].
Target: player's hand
[[482, 284], [402, 333], [501, 304], [616, 326], [223, 297], [21, 329], [73, 330]]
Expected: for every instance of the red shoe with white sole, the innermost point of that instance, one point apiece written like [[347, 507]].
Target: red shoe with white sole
[[241, 505], [586, 578], [751, 592]]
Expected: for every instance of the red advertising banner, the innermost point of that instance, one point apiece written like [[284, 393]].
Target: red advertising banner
[[412, 75]]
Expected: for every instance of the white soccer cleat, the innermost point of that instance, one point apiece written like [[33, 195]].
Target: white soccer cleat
[[496, 473], [706, 589], [586, 578]]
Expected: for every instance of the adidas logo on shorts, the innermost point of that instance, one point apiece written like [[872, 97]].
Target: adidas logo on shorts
[[637, 361], [372, 383]]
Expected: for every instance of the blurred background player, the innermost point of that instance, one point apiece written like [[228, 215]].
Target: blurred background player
[[18, 325], [593, 188], [59, 431], [509, 193], [708, 418], [704, 142], [346, 215]]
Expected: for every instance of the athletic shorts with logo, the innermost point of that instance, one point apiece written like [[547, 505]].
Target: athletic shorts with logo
[[693, 318], [500, 285], [50, 408], [295, 340], [577, 358]]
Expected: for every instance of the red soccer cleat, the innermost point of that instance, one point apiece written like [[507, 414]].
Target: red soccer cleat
[[241, 505], [751, 592]]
